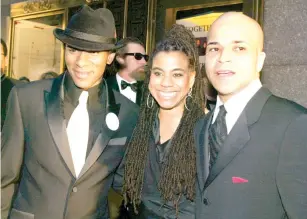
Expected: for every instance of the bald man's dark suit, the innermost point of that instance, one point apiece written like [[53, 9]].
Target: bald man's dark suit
[[261, 171]]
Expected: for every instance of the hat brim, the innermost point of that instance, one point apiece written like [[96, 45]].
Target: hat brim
[[83, 44]]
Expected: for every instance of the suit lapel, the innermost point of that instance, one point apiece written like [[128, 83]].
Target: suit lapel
[[97, 120], [113, 83], [98, 147], [239, 135], [235, 141], [95, 128], [57, 124], [202, 149], [102, 140]]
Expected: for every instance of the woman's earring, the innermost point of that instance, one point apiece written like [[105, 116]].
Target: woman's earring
[[152, 101], [190, 93], [186, 99]]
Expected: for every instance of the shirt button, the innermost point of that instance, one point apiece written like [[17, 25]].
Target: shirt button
[[205, 201], [75, 189]]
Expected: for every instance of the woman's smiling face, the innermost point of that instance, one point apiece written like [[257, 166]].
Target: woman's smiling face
[[171, 79]]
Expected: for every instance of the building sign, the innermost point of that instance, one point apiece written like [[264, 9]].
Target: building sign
[[200, 25]]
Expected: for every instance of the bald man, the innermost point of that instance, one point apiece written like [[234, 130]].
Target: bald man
[[252, 148]]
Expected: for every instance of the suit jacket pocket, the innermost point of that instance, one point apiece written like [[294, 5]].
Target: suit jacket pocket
[[16, 214], [118, 141]]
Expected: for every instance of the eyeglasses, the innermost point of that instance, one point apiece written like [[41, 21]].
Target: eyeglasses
[[138, 56]]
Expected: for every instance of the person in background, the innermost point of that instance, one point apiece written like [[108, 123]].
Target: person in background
[[24, 79], [7, 83], [48, 75], [160, 167], [129, 64]]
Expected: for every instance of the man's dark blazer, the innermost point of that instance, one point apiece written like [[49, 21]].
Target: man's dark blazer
[[42, 169], [261, 170], [6, 86], [112, 82]]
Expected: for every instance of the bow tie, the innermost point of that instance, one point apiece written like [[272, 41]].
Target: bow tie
[[133, 86]]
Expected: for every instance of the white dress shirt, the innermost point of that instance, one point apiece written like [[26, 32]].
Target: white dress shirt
[[78, 132], [236, 104], [128, 92]]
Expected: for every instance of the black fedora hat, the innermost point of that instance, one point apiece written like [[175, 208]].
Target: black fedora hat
[[89, 30]]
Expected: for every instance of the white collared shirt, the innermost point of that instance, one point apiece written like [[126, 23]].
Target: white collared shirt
[[128, 92], [236, 104]]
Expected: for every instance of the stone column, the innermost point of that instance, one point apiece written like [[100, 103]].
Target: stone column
[[285, 30]]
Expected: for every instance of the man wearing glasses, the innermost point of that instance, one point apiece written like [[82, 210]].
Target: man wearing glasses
[[129, 65]]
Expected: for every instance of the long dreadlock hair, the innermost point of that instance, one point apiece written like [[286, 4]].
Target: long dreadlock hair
[[179, 172]]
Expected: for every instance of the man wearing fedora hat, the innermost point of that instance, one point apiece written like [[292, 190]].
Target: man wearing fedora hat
[[63, 140]]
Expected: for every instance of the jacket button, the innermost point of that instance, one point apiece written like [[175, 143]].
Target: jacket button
[[205, 201], [75, 189]]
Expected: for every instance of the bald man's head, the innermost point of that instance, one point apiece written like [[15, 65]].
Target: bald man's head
[[234, 54], [243, 22]]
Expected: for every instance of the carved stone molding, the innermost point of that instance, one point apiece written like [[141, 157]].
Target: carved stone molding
[[137, 19], [39, 6], [117, 8]]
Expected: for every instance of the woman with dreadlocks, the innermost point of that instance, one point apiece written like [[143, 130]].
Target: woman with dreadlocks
[[160, 169]]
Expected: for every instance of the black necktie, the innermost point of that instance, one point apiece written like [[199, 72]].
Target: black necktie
[[133, 86], [217, 135]]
